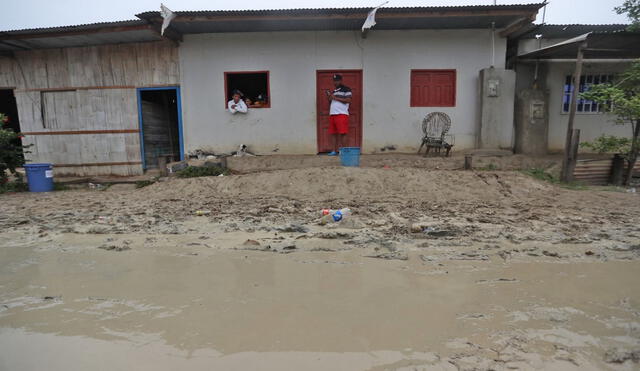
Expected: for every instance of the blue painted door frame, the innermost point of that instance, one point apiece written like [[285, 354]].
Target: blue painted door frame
[[179, 107]]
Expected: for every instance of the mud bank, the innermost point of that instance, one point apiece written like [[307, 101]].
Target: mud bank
[[434, 270]]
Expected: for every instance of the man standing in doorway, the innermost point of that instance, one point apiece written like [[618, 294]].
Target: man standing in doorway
[[339, 113]]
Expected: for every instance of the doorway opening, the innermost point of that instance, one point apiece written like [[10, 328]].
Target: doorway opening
[[9, 108], [160, 126]]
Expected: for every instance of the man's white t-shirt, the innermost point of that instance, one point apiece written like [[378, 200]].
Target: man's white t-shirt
[[339, 108], [241, 106]]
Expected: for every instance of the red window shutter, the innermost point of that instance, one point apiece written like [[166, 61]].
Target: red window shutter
[[433, 88]]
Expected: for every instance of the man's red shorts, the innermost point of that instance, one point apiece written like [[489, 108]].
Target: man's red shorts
[[338, 124]]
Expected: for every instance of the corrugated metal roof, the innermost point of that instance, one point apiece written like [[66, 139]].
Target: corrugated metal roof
[[602, 45], [387, 18], [78, 35], [566, 31], [348, 10], [78, 27], [204, 21]]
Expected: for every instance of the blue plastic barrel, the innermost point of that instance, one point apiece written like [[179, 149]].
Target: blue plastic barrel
[[39, 177], [350, 156]]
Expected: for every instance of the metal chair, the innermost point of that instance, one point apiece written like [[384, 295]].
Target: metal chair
[[435, 128]]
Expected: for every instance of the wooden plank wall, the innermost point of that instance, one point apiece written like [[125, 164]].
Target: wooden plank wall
[[87, 89]]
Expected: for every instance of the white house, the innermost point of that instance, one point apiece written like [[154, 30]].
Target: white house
[[112, 98]]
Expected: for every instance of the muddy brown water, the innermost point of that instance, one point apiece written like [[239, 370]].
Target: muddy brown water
[[434, 270], [67, 305]]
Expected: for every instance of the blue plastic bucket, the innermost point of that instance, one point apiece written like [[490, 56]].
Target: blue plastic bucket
[[350, 156], [39, 177]]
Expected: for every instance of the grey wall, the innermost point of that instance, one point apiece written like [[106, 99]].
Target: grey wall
[[386, 58], [496, 108], [532, 122]]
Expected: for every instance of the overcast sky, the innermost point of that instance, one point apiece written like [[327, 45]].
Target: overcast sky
[[18, 14]]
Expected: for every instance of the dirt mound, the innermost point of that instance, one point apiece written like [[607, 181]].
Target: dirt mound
[[368, 183]]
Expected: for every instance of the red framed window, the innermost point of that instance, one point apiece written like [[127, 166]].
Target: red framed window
[[433, 88], [253, 86]]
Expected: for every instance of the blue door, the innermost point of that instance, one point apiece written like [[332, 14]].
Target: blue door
[[160, 119]]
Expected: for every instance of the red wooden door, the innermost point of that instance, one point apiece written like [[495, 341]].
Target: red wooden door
[[324, 81]]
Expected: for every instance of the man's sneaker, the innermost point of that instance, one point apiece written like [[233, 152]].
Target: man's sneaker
[[333, 153]]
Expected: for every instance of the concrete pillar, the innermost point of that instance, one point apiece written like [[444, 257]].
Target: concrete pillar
[[497, 92], [532, 122]]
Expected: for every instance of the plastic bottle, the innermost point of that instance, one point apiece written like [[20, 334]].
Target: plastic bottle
[[331, 216]]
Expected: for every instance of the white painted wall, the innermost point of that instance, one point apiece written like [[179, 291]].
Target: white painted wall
[[386, 58], [592, 125]]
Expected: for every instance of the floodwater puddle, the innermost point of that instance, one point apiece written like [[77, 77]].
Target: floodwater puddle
[[190, 306]]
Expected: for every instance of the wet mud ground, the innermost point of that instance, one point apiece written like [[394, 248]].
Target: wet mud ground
[[442, 270]]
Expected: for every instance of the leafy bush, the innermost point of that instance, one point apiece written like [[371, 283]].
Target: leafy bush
[[11, 150], [197, 171], [490, 167], [609, 144], [57, 186], [144, 183], [542, 175], [18, 185]]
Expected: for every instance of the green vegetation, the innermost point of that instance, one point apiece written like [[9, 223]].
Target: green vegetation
[[144, 183], [632, 9], [197, 171], [490, 167], [609, 144], [60, 186], [17, 185], [11, 150], [622, 99], [542, 175]]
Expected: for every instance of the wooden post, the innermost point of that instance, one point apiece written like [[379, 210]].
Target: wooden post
[[567, 173], [617, 170], [162, 165], [573, 154], [467, 162]]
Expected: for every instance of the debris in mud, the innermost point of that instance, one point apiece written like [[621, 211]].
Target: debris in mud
[[473, 316], [114, 247], [395, 255], [574, 240], [52, 298], [498, 280], [98, 229], [617, 355], [435, 231], [283, 247], [505, 255], [426, 258], [323, 249], [351, 223], [625, 248], [470, 256], [293, 228], [332, 235], [552, 254]]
